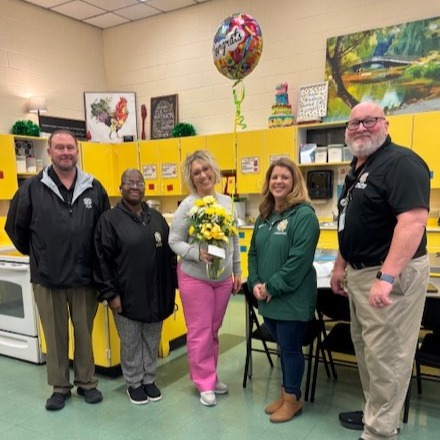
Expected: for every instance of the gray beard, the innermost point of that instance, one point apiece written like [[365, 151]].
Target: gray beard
[[367, 148]]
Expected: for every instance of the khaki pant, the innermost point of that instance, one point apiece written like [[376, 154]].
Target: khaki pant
[[385, 341], [54, 307]]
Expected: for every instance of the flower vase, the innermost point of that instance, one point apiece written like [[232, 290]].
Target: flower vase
[[215, 268]]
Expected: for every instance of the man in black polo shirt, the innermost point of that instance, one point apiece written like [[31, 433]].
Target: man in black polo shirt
[[382, 265]]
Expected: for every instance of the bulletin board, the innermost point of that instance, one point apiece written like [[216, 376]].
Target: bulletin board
[[312, 102]]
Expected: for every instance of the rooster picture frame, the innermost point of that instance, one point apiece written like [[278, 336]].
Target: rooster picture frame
[[110, 116]]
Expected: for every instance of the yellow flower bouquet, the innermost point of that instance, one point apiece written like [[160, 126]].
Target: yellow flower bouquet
[[211, 225]]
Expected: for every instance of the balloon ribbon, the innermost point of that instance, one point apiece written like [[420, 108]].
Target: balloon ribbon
[[238, 99]]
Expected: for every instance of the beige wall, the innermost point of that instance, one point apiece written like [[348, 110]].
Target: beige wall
[[172, 53], [46, 54], [43, 53]]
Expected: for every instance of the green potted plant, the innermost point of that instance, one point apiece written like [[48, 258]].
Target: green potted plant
[[26, 128], [183, 129]]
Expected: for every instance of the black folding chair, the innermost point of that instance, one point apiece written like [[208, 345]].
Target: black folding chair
[[428, 353], [257, 330]]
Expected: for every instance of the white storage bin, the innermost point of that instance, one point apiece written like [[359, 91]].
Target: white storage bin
[[335, 153], [321, 155]]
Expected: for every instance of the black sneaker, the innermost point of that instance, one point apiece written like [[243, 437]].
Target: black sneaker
[[352, 420], [56, 401], [92, 395], [137, 395], [152, 392]]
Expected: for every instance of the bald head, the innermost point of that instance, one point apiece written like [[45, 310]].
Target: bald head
[[366, 109], [130, 173]]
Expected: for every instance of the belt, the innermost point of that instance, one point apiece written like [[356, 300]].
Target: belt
[[357, 266], [364, 265]]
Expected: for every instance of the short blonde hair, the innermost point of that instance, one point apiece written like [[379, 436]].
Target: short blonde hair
[[203, 156]]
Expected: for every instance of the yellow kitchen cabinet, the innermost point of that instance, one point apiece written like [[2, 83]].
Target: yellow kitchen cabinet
[[433, 238], [160, 166], [222, 147], [97, 159], [107, 162], [126, 155], [8, 167], [105, 339], [245, 236], [250, 161], [328, 239], [256, 150], [190, 144], [400, 129], [174, 328], [280, 142], [426, 142]]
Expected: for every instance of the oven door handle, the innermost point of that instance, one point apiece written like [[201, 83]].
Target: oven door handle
[[14, 266]]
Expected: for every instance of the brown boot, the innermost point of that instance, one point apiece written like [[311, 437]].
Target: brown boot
[[272, 407], [288, 410]]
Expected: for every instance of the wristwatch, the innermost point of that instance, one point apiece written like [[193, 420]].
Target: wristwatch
[[385, 277]]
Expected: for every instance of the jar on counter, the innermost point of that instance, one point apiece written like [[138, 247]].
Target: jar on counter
[[31, 166]]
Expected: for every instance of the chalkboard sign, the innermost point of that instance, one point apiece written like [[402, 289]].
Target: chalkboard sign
[[164, 116], [49, 124], [312, 102]]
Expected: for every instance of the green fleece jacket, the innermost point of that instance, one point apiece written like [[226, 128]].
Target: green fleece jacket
[[281, 255]]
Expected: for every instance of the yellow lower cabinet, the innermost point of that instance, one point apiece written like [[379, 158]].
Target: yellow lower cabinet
[[433, 241], [328, 239], [105, 339], [245, 236], [174, 327]]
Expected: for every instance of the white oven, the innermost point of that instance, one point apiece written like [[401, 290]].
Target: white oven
[[19, 329]]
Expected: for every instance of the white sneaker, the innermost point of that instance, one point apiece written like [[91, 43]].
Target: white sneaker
[[221, 388], [207, 398]]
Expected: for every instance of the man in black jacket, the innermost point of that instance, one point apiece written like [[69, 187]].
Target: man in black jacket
[[52, 219], [136, 275]]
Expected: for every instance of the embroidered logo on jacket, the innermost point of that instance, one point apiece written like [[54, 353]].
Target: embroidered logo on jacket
[[158, 238], [281, 227], [88, 202]]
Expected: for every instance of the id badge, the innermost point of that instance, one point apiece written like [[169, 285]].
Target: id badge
[[341, 223]]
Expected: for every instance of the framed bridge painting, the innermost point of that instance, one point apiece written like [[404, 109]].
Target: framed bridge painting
[[110, 116], [397, 67]]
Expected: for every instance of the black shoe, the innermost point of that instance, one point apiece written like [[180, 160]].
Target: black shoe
[[137, 395], [352, 420], [92, 395], [56, 401], [152, 392]]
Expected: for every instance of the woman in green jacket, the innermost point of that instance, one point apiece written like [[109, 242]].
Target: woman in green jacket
[[282, 276]]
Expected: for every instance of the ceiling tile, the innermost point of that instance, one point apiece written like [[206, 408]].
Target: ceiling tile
[[47, 3], [170, 5], [106, 20], [138, 11], [78, 9], [112, 5]]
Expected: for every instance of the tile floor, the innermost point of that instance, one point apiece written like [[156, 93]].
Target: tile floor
[[179, 415]]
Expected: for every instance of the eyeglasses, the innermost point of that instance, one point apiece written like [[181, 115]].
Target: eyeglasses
[[367, 123], [205, 170], [134, 184]]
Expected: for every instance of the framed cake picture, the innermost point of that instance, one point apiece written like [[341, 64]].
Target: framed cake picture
[[312, 102]]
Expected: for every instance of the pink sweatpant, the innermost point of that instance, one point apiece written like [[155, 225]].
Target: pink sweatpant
[[204, 306]]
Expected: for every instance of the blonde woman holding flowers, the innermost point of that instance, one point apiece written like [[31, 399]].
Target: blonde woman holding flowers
[[205, 217]]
